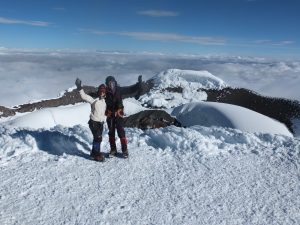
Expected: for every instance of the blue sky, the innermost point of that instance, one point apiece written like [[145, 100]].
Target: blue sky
[[235, 27]]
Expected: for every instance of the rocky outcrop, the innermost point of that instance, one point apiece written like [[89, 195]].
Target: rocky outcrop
[[150, 119]]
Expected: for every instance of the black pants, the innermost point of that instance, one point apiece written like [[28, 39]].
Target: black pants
[[116, 123], [97, 129]]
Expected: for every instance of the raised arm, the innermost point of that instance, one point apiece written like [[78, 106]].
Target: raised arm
[[83, 95]]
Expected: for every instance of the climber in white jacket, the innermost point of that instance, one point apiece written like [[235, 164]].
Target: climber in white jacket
[[97, 117]]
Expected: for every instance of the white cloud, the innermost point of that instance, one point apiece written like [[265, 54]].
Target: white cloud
[[4, 20], [274, 43], [158, 13], [33, 75], [157, 36]]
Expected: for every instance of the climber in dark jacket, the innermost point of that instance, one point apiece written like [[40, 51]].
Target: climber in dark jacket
[[115, 113]]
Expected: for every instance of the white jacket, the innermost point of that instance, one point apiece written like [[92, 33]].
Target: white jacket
[[98, 106]]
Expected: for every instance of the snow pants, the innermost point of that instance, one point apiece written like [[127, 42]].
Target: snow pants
[[96, 129], [116, 123]]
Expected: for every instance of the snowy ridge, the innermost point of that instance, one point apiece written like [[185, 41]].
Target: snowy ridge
[[189, 80]]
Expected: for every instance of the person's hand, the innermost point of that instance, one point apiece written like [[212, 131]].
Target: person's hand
[[78, 84], [108, 113], [120, 113], [140, 79]]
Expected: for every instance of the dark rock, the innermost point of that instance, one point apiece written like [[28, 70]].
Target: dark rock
[[5, 112], [173, 89], [150, 119]]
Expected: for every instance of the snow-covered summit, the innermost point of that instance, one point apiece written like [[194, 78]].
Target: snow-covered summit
[[175, 87], [188, 79]]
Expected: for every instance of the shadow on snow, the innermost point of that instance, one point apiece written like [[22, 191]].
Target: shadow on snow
[[55, 142]]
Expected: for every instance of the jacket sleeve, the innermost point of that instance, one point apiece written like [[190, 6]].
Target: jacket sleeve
[[86, 97]]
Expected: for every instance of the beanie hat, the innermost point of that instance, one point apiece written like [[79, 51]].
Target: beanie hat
[[110, 78]]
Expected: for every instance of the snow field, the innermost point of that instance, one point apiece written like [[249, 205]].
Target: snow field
[[218, 176]]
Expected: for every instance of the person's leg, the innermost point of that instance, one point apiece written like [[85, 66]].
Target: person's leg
[[111, 135], [96, 129], [122, 135]]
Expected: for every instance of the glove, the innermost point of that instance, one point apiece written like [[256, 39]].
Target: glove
[[108, 113], [78, 84], [140, 79], [120, 113]]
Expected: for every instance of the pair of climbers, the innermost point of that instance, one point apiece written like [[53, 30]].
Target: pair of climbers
[[107, 106]]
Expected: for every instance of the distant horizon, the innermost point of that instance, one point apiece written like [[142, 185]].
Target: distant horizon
[[133, 52]]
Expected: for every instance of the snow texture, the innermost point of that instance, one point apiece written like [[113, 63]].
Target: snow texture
[[195, 175]]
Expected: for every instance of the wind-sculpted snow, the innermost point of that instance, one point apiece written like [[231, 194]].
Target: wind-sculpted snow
[[226, 115], [174, 175], [188, 79], [190, 82]]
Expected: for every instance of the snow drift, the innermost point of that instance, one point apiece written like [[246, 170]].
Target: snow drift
[[226, 115]]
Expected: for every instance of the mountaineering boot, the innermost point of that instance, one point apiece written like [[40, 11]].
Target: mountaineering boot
[[99, 157], [124, 147], [95, 153], [113, 147], [113, 152]]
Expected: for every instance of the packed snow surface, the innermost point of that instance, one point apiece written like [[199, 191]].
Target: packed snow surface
[[194, 175]]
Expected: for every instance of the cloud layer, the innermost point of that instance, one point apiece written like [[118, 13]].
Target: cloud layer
[[158, 36], [29, 76]]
